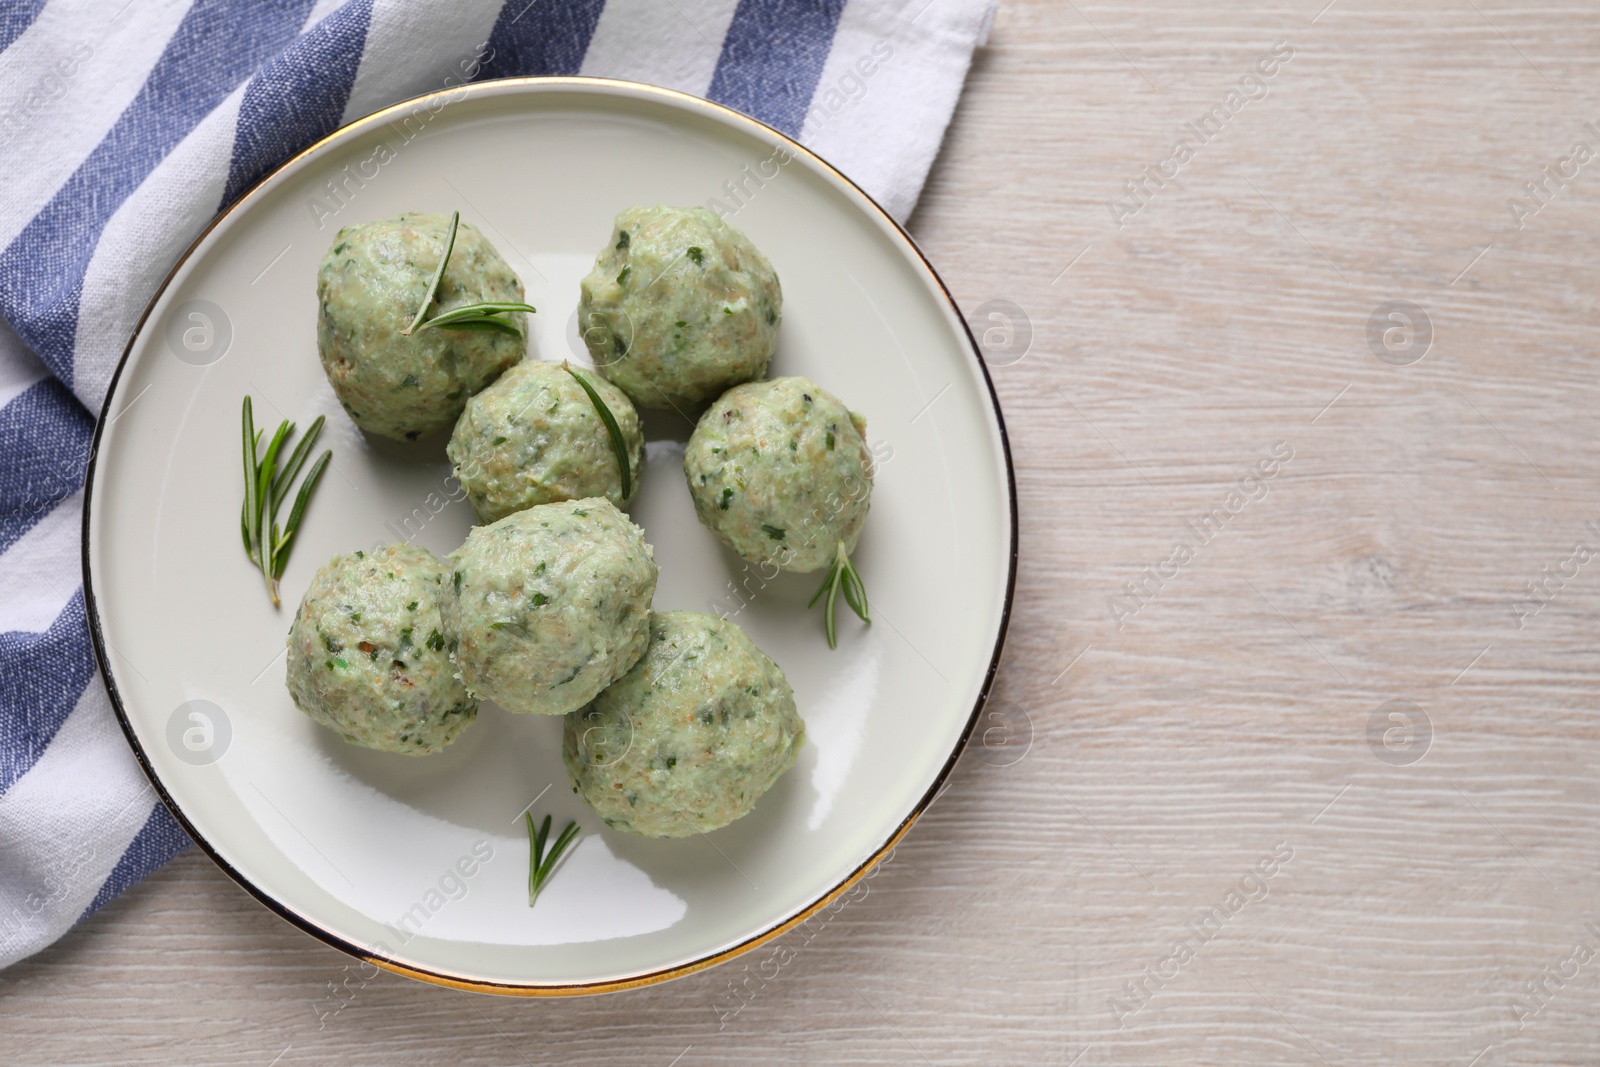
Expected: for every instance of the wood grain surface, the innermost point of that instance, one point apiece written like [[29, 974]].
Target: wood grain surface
[[1319, 786]]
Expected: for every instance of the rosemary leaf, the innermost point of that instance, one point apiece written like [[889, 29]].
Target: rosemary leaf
[[251, 526], [485, 315], [538, 843], [297, 459], [829, 626], [266, 476], [296, 514], [855, 594], [566, 839], [482, 306], [618, 446], [847, 587], [438, 276]]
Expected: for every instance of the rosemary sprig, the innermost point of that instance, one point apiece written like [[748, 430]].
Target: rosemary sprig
[[842, 577], [266, 485], [618, 445], [438, 276], [480, 316], [540, 866]]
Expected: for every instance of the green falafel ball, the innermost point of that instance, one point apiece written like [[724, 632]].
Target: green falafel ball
[[781, 473], [690, 738], [679, 306], [369, 654], [369, 287], [550, 605], [534, 437]]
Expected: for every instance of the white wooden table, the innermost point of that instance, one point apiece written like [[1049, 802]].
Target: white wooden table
[[1153, 754]]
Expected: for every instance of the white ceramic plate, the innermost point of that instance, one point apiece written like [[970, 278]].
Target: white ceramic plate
[[420, 865]]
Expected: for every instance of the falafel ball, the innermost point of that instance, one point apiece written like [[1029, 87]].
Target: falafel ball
[[679, 306], [369, 287], [550, 605], [369, 654], [534, 437], [690, 738], [781, 473]]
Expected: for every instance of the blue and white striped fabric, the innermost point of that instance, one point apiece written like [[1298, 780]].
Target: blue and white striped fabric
[[125, 125]]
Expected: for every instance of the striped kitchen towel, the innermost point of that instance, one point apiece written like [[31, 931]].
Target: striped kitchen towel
[[125, 125]]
